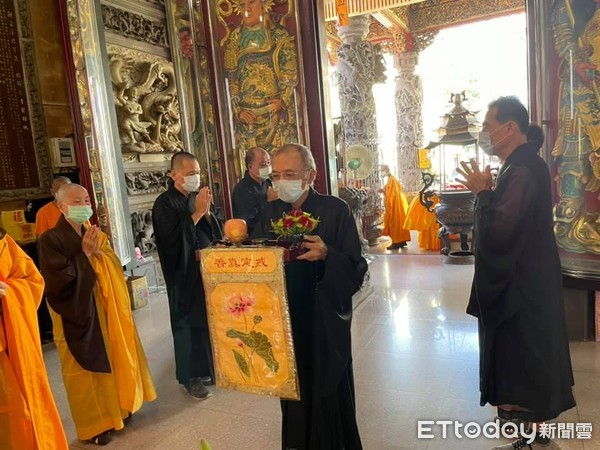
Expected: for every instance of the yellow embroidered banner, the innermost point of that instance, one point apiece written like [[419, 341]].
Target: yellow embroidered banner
[[249, 320]]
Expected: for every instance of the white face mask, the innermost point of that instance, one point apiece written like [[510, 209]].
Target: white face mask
[[485, 143], [484, 140], [264, 172], [289, 190], [191, 183]]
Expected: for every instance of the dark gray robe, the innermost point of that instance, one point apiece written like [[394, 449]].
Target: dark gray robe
[[177, 239], [517, 292], [320, 302]]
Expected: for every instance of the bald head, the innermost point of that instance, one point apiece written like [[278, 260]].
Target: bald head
[[71, 192], [255, 153], [57, 183], [180, 159]]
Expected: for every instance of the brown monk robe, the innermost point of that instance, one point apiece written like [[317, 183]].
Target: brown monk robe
[[28, 415], [104, 368]]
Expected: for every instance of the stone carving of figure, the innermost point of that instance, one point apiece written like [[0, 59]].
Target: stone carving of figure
[[576, 25], [261, 67], [146, 89], [143, 231]]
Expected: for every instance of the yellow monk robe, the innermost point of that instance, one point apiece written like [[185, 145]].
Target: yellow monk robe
[[395, 211], [46, 218], [100, 401], [423, 221], [28, 415]]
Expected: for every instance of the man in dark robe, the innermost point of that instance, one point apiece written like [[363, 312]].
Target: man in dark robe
[[183, 223], [254, 191], [320, 285], [525, 366]]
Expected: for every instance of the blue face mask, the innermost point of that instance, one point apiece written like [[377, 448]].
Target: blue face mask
[[79, 213]]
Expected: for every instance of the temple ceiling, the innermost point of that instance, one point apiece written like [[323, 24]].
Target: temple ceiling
[[401, 25]]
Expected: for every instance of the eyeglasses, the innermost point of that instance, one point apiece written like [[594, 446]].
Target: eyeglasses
[[287, 175]]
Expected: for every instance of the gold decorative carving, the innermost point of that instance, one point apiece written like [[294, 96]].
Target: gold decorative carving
[[435, 14], [360, 7], [145, 94]]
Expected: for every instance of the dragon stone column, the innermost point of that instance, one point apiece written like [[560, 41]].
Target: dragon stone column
[[360, 66], [409, 106]]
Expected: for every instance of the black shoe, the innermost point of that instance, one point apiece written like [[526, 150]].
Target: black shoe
[[206, 381], [197, 390], [393, 247], [101, 439], [127, 420]]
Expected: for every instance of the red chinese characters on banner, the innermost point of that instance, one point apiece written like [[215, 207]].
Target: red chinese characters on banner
[[245, 261]]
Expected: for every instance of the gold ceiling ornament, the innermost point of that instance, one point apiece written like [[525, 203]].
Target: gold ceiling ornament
[[437, 14], [424, 40], [360, 7]]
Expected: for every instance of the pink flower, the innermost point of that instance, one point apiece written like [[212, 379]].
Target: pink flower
[[239, 304], [240, 344], [296, 213]]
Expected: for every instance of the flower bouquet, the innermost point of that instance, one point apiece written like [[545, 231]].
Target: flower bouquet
[[290, 231]]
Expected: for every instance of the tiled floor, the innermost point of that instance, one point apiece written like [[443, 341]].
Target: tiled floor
[[416, 357]]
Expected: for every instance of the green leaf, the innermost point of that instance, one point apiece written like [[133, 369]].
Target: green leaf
[[258, 342], [241, 362], [204, 445]]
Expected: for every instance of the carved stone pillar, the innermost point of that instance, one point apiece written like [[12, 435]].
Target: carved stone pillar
[[360, 66], [358, 72], [409, 106]]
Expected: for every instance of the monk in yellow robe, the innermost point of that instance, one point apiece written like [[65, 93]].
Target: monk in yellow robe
[[423, 221], [28, 415], [104, 367], [395, 211], [48, 215]]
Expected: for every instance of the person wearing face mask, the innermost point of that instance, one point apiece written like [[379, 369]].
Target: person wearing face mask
[[253, 191], [104, 367], [319, 285], [525, 366], [183, 223]]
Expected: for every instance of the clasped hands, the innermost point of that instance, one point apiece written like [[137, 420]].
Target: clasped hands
[[474, 179], [90, 244], [317, 250], [202, 203]]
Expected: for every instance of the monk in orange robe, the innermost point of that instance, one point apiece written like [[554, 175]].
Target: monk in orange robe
[[104, 367], [395, 211], [28, 415], [48, 215], [423, 221]]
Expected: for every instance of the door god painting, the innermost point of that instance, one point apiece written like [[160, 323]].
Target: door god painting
[[576, 152], [260, 64]]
